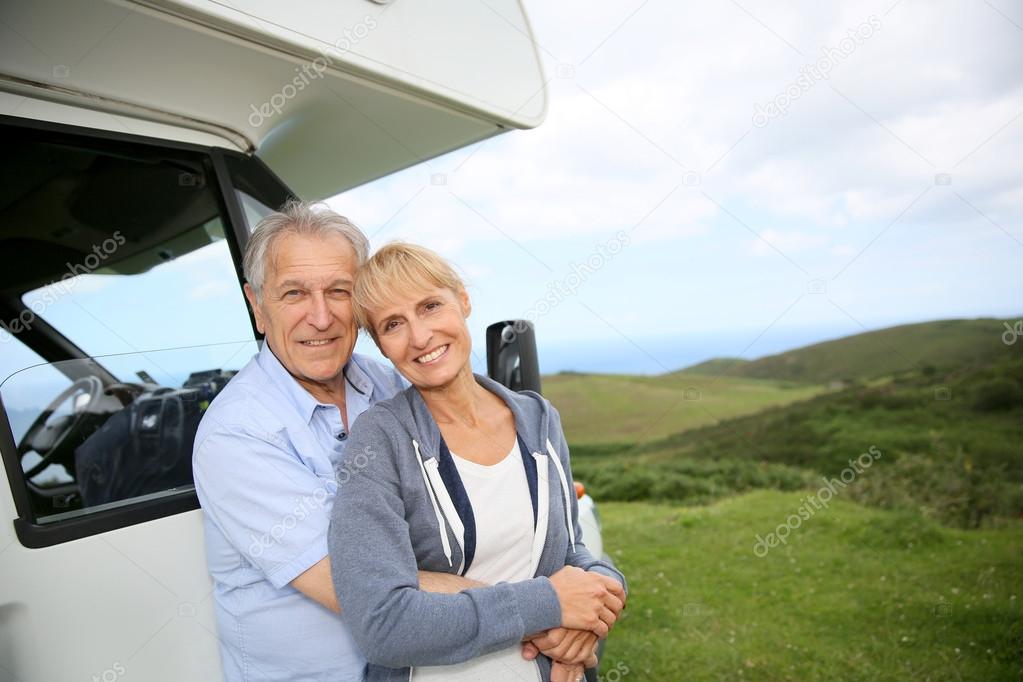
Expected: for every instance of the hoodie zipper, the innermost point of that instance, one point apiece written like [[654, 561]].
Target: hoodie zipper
[[564, 492], [441, 526]]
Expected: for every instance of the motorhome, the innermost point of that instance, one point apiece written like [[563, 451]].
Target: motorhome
[[142, 140]]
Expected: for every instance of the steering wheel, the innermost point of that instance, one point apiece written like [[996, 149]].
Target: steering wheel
[[54, 439]]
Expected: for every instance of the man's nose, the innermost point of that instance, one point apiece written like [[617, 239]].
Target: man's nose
[[319, 315]]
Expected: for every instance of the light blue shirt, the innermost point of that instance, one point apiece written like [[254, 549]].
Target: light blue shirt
[[264, 463]]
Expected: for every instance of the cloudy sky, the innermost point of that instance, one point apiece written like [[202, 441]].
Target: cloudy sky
[[737, 178]]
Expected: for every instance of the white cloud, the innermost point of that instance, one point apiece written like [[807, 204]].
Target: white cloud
[[659, 90]]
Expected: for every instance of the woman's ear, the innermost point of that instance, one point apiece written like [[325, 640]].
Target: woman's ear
[[463, 299]]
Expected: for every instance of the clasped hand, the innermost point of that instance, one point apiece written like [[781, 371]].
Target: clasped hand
[[590, 605]]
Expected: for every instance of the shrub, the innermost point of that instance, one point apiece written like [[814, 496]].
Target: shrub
[[948, 489], [997, 394]]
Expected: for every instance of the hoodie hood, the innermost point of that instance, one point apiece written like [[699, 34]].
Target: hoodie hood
[[530, 409]]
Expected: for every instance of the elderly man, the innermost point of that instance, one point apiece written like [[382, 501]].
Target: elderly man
[[265, 454]]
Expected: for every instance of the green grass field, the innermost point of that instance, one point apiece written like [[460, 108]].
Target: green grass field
[[856, 594], [914, 571], [608, 408]]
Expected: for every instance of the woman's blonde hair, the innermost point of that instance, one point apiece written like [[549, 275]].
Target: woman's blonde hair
[[395, 270]]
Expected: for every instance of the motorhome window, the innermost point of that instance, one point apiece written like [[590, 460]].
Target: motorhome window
[[253, 209], [122, 298], [258, 191]]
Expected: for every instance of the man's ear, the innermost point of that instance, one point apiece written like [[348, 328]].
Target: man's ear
[[257, 310], [463, 299]]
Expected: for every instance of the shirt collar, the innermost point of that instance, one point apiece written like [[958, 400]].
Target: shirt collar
[[296, 394]]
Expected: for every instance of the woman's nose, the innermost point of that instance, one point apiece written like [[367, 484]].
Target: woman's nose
[[419, 334]]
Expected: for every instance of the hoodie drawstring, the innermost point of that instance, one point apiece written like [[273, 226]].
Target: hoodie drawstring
[[564, 491], [441, 526]]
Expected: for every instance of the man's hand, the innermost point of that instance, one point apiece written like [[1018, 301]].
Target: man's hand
[[317, 584]]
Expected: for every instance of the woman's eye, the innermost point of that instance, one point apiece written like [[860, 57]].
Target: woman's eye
[[391, 324], [432, 305]]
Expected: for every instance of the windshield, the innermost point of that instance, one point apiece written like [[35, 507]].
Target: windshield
[[122, 316], [191, 299]]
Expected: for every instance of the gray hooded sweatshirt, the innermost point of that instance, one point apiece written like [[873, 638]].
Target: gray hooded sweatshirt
[[401, 507]]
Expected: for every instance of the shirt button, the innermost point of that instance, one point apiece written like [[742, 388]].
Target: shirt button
[[342, 436]]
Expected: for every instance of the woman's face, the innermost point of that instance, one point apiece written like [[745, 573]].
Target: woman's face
[[424, 334]]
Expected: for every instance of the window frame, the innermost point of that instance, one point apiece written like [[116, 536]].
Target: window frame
[[221, 165]]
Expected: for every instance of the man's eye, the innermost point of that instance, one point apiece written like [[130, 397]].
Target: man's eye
[[339, 293], [292, 293]]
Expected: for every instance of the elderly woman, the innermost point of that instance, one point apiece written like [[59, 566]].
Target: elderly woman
[[461, 475]]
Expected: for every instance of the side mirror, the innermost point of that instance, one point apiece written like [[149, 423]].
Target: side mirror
[[511, 355]]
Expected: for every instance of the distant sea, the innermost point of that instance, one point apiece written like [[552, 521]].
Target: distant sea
[[659, 355]]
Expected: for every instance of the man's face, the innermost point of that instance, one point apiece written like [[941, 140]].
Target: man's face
[[306, 311]]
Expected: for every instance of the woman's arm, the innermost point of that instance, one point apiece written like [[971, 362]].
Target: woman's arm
[[375, 575]]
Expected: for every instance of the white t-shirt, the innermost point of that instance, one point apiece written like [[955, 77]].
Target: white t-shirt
[[503, 510]]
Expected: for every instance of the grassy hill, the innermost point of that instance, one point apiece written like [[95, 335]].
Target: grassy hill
[[951, 433], [855, 594], [941, 344], [952, 444], [885, 582], [615, 408]]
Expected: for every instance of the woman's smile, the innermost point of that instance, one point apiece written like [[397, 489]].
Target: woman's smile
[[433, 356]]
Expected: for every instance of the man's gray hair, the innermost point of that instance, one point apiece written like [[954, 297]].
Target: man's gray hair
[[296, 218]]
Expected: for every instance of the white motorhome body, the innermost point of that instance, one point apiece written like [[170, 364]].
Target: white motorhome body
[[144, 138]]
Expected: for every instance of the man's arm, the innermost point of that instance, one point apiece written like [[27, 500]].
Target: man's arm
[[316, 584]]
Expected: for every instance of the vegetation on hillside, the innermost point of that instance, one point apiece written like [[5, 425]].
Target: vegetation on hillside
[[950, 435], [880, 353]]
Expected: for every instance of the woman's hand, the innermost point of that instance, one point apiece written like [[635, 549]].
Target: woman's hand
[[589, 601], [567, 646], [566, 672]]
